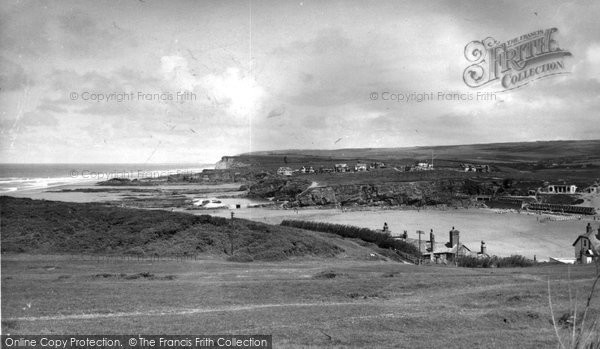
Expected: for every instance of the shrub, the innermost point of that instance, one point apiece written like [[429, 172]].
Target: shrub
[[382, 240], [240, 257], [513, 261]]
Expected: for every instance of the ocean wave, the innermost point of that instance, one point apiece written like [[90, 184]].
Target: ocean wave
[[12, 184]]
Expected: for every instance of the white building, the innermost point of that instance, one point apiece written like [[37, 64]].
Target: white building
[[360, 167], [587, 245], [561, 189], [284, 171]]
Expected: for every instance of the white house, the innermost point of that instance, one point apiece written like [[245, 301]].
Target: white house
[[561, 189], [360, 167], [587, 246], [341, 167], [592, 189], [284, 171]]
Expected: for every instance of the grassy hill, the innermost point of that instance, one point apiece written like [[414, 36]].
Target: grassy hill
[[38, 226], [496, 152]]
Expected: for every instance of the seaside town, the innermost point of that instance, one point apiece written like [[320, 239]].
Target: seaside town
[[299, 174]]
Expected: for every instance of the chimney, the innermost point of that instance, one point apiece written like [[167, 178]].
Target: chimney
[[432, 239], [588, 229], [454, 235], [483, 249]]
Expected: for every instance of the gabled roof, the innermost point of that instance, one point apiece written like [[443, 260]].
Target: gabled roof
[[593, 239], [442, 248]]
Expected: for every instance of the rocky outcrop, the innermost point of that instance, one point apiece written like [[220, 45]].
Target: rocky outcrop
[[279, 188], [300, 192], [229, 162], [388, 194]]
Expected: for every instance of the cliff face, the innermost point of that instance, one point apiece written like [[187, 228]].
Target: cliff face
[[228, 162], [277, 187], [298, 192], [389, 194]]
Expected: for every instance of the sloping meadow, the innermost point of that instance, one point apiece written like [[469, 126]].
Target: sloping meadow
[[39, 226]]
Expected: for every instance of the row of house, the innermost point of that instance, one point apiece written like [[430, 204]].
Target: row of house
[[475, 168], [568, 189], [586, 247], [420, 166], [359, 167], [442, 252], [341, 167]]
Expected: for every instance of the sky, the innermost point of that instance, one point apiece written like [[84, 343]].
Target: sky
[[146, 81]]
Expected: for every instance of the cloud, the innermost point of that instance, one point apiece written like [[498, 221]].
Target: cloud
[[175, 69], [276, 112], [238, 92], [12, 75]]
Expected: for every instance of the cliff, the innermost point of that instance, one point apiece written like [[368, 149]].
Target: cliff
[[229, 162], [300, 193], [388, 194]]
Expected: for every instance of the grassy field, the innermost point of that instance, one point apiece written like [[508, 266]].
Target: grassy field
[[311, 302], [38, 226]]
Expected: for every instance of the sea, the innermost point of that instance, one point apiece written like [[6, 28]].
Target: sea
[[21, 177]]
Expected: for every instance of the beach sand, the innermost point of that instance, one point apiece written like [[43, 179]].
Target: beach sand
[[505, 233]]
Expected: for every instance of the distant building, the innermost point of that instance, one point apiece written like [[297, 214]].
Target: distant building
[[285, 171], [587, 246], [424, 166], [592, 189], [360, 167], [375, 165], [475, 168], [341, 168], [560, 189], [442, 252], [306, 169], [483, 251]]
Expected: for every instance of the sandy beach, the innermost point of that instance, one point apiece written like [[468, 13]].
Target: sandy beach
[[504, 232]]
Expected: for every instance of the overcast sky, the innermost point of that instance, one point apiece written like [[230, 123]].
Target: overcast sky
[[276, 75]]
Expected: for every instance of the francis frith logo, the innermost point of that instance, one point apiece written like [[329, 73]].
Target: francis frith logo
[[516, 62]]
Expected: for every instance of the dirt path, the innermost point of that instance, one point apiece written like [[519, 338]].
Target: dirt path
[[177, 311], [312, 185]]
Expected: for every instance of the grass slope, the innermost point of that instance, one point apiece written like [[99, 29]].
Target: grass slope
[[303, 304], [501, 152], [37, 226]]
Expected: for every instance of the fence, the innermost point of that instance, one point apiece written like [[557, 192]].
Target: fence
[[563, 208], [127, 258]]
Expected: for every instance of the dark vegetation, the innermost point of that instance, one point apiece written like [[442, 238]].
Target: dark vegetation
[[495, 262], [143, 275], [39, 226], [278, 187], [382, 240]]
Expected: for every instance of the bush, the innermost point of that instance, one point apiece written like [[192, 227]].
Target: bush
[[240, 258], [382, 240], [513, 261]]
